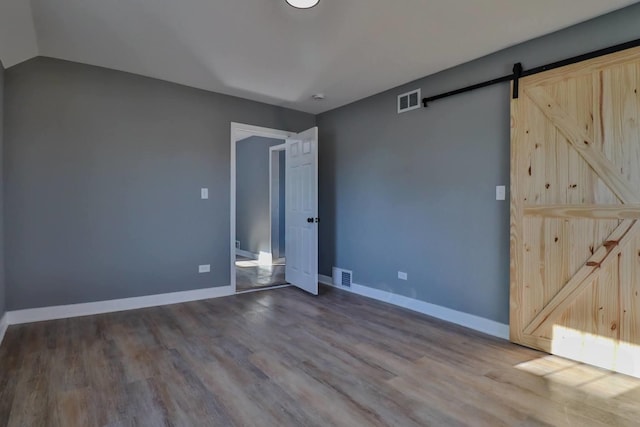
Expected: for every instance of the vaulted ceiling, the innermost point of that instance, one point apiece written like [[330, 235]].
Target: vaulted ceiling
[[267, 51]]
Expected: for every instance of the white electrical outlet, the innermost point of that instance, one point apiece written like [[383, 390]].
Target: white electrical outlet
[[501, 192], [402, 275], [205, 268], [204, 193]]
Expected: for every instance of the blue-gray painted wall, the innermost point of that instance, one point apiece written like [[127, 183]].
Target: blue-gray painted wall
[[416, 192], [103, 174]]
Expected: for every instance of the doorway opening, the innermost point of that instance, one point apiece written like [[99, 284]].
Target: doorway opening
[[258, 253], [260, 260], [274, 208]]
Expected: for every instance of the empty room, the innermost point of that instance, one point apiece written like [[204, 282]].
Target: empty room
[[319, 213]]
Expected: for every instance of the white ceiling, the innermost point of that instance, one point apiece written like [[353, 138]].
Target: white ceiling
[[267, 51], [17, 34]]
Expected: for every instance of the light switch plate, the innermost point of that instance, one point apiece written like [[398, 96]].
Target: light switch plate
[[501, 192], [402, 275], [205, 268], [204, 193]]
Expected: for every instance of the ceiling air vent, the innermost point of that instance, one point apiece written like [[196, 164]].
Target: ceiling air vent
[[342, 277], [409, 101]]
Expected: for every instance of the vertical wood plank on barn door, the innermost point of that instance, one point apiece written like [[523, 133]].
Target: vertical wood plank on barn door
[[575, 194]]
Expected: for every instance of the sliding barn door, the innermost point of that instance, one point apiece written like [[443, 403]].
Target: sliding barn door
[[575, 210]]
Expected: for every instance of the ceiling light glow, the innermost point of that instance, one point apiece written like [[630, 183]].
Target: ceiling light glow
[[303, 4]]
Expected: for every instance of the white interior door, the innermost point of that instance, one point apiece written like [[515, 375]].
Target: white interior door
[[301, 219]]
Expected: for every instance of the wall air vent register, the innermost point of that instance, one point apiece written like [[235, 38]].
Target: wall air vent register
[[409, 101]]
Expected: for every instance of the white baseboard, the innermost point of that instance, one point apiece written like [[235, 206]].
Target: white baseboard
[[325, 280], [487, 326], [86, 309], [263, 258], [247, 254], [30, 315], [4, 324]]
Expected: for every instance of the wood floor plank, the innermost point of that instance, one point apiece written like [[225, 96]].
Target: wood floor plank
[[72, 408], [502, 398], [285, 358], [316, 395]]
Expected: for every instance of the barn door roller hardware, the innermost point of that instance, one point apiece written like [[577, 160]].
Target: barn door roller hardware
[[519, 72]]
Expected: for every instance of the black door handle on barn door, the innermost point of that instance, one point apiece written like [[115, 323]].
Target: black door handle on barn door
[[309, 220]]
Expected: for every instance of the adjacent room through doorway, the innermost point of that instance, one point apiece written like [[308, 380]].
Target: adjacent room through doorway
[[260, 206]]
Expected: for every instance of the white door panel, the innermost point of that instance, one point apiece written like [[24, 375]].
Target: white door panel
[[302, 210]]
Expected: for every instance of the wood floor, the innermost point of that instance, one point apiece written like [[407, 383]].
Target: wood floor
[[285, 358], [250, 275]]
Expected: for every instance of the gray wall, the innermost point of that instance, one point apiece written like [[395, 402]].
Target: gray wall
[[2, 275], [253, 228], [416, 192], [103, 174]]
